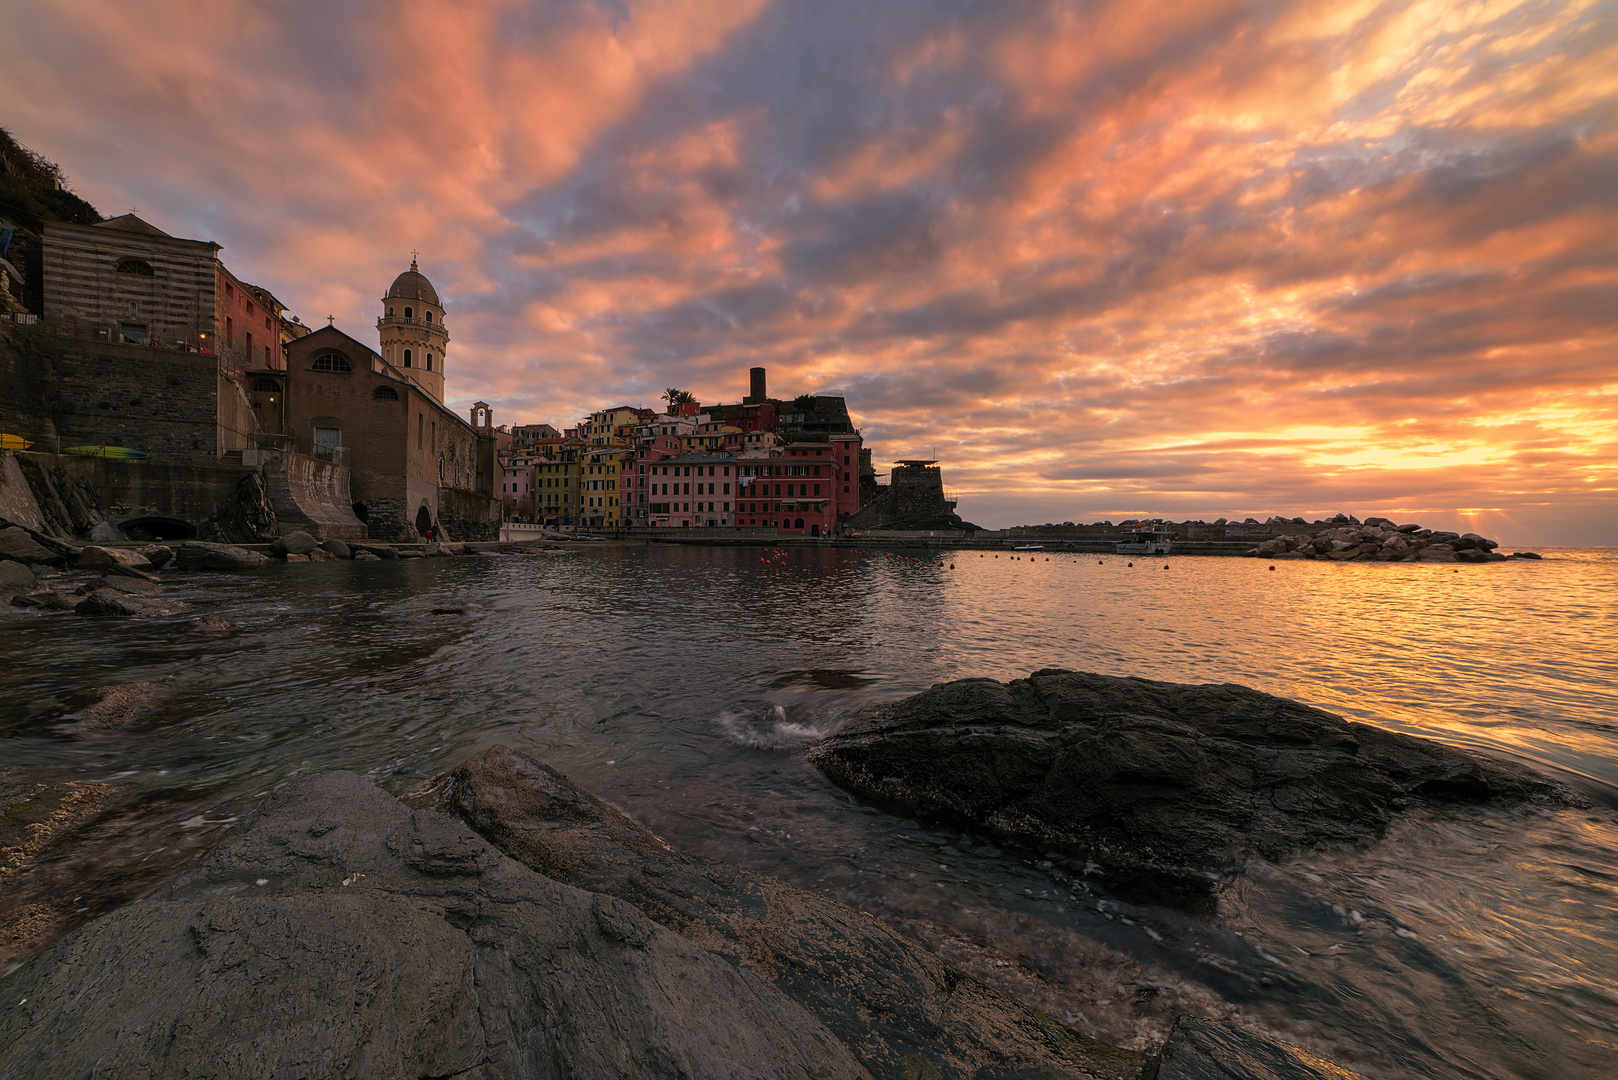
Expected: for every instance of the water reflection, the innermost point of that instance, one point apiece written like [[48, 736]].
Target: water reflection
[[681, 683]]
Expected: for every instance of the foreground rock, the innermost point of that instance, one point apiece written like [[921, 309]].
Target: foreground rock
[[1169, 785], [1205, 1050], [1380, 540], [338, 933], [293, 543], [899, 1010], [198, 555]]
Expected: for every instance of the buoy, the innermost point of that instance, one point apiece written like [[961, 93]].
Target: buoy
[[1131, 564], [952, 566], [1272, 568], [1165, 566]]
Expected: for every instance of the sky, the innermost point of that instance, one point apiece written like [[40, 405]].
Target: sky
[[1101, 259]]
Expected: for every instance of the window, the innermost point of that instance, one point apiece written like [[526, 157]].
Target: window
[[265, 386], [817, 489], [137, 266], [326, 442], [385, 393], [230, 291], [429, 361], [249, 343], [421, 429], [230, 330], [407, 358], [329, 361], [390, 313], [428, 316]]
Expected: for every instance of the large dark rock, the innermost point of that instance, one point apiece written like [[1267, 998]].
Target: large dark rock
[[897, 1008], [198, 555], [337, 933], [19, 544], [1173, 785], [294, 543], [15, 578]]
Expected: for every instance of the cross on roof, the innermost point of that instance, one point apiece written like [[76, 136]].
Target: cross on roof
[[413, 254], [330, 319]]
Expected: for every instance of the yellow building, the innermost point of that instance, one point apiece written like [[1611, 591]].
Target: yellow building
[[558, 473], [600, 492]]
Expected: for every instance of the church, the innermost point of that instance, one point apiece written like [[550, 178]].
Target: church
[[416, 466]]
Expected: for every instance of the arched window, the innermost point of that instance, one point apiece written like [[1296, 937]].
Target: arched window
[[429, 361], [390, 313], [330, 361], [385, 393], [407, 358], [428, 316], [265, 386], [409, 312], [135, 266]]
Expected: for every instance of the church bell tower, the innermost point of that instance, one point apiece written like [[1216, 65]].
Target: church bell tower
[[414, 339]]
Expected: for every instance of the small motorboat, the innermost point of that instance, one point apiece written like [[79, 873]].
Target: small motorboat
[[1148, 540], [1029, 547]]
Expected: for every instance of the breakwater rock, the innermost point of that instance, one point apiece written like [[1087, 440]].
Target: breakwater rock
[[338, 933], [1380, 540], [1166, 785]]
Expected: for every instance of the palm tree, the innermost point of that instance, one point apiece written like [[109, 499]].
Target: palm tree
[[676, 398]]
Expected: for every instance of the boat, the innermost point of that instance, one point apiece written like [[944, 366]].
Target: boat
[[1148, 540], [1029, 547], [115, 453], [14, 442]]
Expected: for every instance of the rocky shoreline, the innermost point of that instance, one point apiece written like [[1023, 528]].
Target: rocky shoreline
[[502, 922], [42, 573]]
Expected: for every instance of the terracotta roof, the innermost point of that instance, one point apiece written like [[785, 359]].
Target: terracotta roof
[[413, 285]]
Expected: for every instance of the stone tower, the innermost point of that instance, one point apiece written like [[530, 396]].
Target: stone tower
[[414, 339]]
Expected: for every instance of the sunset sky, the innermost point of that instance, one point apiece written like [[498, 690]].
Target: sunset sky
[[1103, 259]]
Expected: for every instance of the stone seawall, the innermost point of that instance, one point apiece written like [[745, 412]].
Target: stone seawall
[[310, 494]]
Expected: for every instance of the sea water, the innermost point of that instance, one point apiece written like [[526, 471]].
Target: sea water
[[683, 683]]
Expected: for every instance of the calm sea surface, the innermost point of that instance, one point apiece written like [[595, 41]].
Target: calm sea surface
[[683, 684]]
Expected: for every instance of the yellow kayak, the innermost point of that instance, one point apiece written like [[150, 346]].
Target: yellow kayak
[[14, 442]]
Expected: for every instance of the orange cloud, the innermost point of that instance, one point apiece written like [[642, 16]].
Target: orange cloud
[[1167, 257]]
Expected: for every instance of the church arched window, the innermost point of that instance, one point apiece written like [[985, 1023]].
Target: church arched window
[[385, 393], [265, 386], [429, 361], [331, 362], [428, 316], [390, 313], [135, 266], [409, 312], [407, 358]]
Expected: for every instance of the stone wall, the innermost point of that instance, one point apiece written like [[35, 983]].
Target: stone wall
[[86, 296], [468, 515], [309, 494], [176, 406]]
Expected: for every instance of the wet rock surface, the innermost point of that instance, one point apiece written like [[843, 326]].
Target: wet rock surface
[[1164, 785], [900, 1010], [200, 555], [1206, 1050], [338, 932]]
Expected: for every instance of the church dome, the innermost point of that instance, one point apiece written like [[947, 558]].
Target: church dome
[[413, 285]]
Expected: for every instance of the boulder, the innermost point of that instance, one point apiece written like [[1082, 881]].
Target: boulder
[[15, 578], [365, 556], [1208, 1050], [132, 586], [336, 932], [157, 555], [1272, 547], [1396, 544], [435, 550], [297, 558], [47, 601], [1168, 784], [293, 543], [199, 555], [102, 558], [1481, 542], [1526, 555], [105, 532], [898, 1009], [19, 544], [104, 603], [337, 548], [1472, 555], [320, 555], [381, 551]]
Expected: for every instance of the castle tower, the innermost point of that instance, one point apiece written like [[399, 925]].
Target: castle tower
[[412, 330]]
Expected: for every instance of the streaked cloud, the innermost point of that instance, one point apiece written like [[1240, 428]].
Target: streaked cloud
[[1106, 258]]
